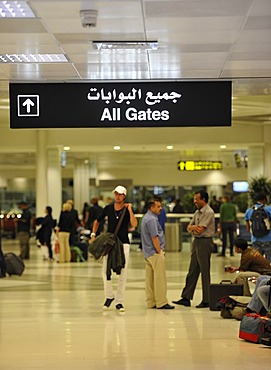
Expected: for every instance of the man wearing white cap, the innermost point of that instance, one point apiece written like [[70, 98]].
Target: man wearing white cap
[[113, 212]]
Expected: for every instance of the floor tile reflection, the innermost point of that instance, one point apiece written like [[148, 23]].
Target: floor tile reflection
[[52, 318]]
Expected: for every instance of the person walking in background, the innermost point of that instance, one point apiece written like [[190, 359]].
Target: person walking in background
[[202, 228], [91, 215], [178, 208], [63, 231], [262, 243], [76, 221], [23, 230], [113, 212], [84, 210], [228, 218], [45, 232], [153, 246], [215, 204], [162, 217]]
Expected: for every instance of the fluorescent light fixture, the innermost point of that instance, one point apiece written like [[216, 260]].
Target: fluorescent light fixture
[[223, 146], [116, 147], [15, 9], [124, 45], [170, 147], [33, 58], [66, 148]]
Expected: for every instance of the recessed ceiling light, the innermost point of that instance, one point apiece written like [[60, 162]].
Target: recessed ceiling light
[[116, 147], [66, 148], [223, 146], [16, 9], [170, 147], [132, 45], [33, 58]]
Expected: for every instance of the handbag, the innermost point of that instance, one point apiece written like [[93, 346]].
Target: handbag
[[103, 244], [57, 247]]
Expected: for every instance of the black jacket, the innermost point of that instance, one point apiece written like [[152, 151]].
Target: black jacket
[[116, 259]]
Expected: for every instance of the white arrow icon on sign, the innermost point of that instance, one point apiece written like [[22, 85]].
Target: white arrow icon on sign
[[28, 103]]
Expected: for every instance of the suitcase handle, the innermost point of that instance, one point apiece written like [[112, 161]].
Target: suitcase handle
[[226, 281]]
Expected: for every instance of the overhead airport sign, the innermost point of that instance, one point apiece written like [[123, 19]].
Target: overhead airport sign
[[120, 104], [199, 165]]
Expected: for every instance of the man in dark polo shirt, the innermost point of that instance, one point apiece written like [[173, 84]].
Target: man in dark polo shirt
[[202, 227], [252, 264]]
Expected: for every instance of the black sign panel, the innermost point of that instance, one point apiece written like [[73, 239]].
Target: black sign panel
[[126, 104]]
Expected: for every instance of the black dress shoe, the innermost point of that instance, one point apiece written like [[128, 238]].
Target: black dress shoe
[[266, 341], [220, 255], [203, 305], [166, 307], [183, 302]]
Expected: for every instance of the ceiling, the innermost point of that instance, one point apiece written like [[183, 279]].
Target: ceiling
[[197, 39]]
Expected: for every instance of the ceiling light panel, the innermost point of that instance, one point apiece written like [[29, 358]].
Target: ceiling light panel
[[33, 58], [15, 9], [125, 45]]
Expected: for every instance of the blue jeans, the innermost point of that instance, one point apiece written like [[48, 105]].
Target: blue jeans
[[263, 294], [255, 303], [263, 248]]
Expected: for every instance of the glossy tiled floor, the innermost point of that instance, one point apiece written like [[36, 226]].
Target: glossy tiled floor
[[51, 318]]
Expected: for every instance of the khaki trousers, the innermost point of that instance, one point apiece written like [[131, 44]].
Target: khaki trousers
[[64, 247], [156, 283], [242, 278]]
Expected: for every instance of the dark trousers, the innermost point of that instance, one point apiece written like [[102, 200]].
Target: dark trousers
[[199, 264], [227, 228]]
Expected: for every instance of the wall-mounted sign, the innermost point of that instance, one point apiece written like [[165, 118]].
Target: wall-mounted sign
[[199, 165], [115, 104]]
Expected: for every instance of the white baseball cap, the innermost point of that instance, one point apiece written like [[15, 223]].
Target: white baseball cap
[[120, 189]]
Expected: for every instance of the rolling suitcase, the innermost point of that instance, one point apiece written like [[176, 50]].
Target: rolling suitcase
[[224, 288], [15, 265]]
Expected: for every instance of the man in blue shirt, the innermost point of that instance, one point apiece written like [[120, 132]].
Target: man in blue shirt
[[260, 243], [153, 246]]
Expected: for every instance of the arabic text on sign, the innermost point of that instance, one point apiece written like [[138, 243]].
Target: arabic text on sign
[[120, 97]]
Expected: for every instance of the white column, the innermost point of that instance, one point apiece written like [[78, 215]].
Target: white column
[[41, 172], [80, 183], [93, 171], [54, 180], [255, 166]]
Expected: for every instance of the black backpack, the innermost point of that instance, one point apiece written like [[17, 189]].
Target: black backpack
[[260, 224]]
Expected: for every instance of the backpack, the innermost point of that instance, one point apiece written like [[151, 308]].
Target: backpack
[[260, 224]]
